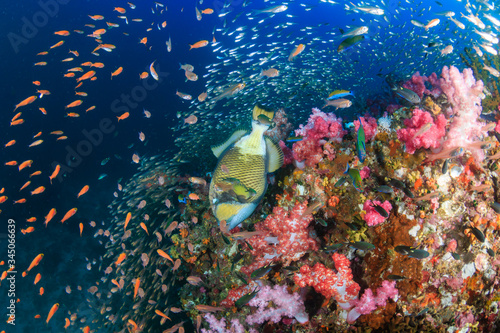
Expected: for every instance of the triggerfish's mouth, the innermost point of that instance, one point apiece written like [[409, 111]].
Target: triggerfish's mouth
[[239, 180]]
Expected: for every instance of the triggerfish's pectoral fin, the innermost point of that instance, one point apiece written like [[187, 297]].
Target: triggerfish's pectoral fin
[[219, 149], [274, 155]]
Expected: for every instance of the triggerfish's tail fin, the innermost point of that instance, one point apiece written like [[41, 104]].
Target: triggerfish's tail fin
[[275, 155], [259, 109], [219, 149]]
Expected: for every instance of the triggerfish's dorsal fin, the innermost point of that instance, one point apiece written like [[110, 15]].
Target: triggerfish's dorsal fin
[[219, 149], [274, 155], [259, 109]]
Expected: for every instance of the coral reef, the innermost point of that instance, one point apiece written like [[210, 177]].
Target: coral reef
[[413, 247]]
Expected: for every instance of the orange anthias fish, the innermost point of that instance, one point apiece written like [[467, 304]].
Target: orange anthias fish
[[143, 226], [16, 116], [296, 51], [49, 216], [83, 191], [52, 311], [164, 255], [193, 196], [70, 213], [117, 72], [123, 116], [57, 44], [127, 220], [55, 173], [81, 228], [120, 10], [96, 17], [36, 143], [86, 76], [25, 164], [98, 32], [38, 277], [120, 259], [159, 313], [17, 122], [36, 173], [26, 101], [38, 190], [35, 262], [62, 33], [198, 44], [10, 143], [207, 11], [27, 230], [136, 286], [73, 104]]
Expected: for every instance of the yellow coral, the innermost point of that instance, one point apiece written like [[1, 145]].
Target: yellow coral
[[431, 106]]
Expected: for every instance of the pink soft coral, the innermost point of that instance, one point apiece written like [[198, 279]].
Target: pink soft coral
[[284, 305], [372, 217], [416, 84], [463, 93], [368, 302], [430, 139], [322, 125]]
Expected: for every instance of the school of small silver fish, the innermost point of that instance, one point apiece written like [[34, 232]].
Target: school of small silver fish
[[266, 55]]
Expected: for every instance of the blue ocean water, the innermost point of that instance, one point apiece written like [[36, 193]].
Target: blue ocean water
[[393, 47]]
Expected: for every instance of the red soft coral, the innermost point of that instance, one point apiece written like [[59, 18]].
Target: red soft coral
[[329, 283], [285, 237], [308, 150]]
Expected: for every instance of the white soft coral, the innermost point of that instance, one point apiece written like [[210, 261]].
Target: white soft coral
[[384, 123]]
